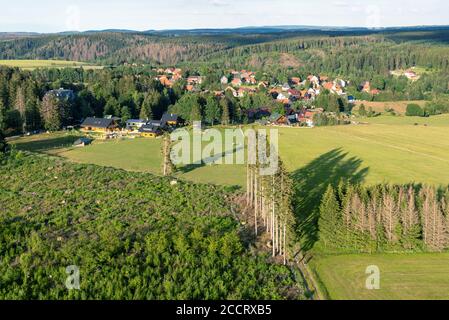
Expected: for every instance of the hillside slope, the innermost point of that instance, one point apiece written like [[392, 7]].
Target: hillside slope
[[132, 235]]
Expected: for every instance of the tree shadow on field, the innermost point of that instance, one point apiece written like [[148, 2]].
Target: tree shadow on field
[[210, 160], [310, 184], [45, 145]]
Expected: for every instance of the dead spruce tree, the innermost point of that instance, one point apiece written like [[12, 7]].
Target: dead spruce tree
[[433, 220], [385, 218]]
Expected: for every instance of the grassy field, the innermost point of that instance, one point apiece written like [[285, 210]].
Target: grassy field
[[402, 277], [388, 149], [398, 106], [34, 64], [434, 121], [139, 154]]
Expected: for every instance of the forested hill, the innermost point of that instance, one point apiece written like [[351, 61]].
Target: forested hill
[[172, 47], [107, 47]]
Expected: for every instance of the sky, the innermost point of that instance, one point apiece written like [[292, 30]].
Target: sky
[[82, 15]]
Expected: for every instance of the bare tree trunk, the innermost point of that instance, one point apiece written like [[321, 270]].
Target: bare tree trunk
[[280, 241], [285, 243], [279, 237], [256, 205], [276, 230], [412, 216], [389, 216], [425, 216], [167, 165], [248, 184], [272, 228], [251, 186]]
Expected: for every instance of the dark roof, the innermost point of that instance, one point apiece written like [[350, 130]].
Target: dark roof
[[136, 121], [62, 94], [169, 117], [82, 140], [97, 122], [258, 113], [148, 128], [275, 116], [292, 119], [154, 123]]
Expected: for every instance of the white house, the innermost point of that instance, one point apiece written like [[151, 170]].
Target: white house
[[224, 80]]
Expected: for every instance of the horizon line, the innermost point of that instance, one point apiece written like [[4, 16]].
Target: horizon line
[[317, 27]]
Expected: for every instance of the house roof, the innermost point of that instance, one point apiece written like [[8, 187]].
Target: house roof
[[294, 92], [275, 116], [328, 85], [62, 93], [97, 122], [136, 121], [149, 128], [166, 117], [82, 140], [155, 123]]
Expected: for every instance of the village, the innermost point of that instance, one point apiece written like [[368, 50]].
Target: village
[[239, 84]]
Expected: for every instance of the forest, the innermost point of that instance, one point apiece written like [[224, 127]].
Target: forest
[[384, 218]]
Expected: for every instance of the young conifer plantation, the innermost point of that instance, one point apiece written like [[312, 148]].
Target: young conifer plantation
[[133, 236]]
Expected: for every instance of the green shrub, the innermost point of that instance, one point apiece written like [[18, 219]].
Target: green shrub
[[414, 110]]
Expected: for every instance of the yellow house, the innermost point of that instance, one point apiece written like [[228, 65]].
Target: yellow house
[[99, 125], [150, 131]]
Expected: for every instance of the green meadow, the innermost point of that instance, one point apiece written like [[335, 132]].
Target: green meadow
[[140, 154], [35, 64], [402, 276], [386, 149]]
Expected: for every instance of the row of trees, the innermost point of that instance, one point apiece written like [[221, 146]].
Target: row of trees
[[431, 108], [270, 198], [384, 218]]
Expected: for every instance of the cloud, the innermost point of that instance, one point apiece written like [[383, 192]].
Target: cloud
[[341, 4], [219, 3]]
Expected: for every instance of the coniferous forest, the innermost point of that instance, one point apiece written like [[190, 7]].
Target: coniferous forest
[[384, 218]]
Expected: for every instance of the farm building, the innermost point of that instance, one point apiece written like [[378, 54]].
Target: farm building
[[62, 94], [135, 124], [170, 119], [99, 125], [224, 80], [150, 131], [278, 119], [82, 142]]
